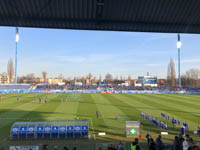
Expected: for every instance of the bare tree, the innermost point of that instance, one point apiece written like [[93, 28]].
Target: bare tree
[[90, 78], [30, 76], [191, 78], [100, 78], [44, 75], [60, 76], [10, 69], [108, 77], [171, 73], [184, 80], [116, 78], [129, 78], [21, 79]]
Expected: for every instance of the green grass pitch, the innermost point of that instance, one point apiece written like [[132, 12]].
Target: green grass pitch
[[125, 106]]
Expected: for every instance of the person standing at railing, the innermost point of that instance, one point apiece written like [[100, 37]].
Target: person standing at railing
[[135, 145], [159, 143]]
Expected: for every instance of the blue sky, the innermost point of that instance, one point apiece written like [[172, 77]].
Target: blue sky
[[77, 52]]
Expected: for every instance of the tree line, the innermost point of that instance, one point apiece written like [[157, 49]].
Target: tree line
[[190, 79]]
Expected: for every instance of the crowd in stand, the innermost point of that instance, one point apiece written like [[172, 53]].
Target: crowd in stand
[[113, 87], [95, 87], [85, 87], [50, 86]]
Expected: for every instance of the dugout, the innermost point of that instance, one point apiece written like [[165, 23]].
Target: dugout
[[50, 130]]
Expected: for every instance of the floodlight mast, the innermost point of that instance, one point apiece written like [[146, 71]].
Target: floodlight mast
[[179, 65], [17, 40]]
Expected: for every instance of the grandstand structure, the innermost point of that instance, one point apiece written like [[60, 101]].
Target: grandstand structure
[[177, 16]]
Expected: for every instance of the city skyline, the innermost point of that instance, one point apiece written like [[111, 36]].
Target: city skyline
[[77, 52]]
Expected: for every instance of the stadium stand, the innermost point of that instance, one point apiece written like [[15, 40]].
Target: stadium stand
[[49, 87], [14, 86]]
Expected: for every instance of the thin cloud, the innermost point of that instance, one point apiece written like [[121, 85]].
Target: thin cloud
[[93, 58], [154, 65], [72, 59], [192, 60], [159, 52]]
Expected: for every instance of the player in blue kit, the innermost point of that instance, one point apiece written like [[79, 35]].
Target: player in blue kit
[[198, 130], [18, 99]]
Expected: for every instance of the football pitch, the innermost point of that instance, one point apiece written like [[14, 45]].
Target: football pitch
[[125, 106]]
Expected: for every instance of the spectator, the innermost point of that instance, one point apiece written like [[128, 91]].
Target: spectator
[[111, 147], [180, 142], [186, 143], [199, 144], [55, 147], [74, 148], [100, 148], [65, 148], [121, 146], [45, 147], [135, 145], [152, 145], [190, 143], [176, 143], [148, 137], [195, 147], [187, 137], [159, 143], [198, 130]]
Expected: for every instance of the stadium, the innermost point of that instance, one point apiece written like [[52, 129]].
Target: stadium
[[90, 111]]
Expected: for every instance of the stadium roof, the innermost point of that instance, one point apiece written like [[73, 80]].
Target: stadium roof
[[172, 16]]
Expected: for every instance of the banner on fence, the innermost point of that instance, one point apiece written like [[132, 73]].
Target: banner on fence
[[24, 147]]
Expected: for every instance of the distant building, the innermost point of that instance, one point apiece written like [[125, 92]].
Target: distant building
[[87, 81], [94, 81], [78, 83], [4, 78], [162, 82], [125, 84], [54, 80], [38, 80], [41, 80], [150, 81]]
